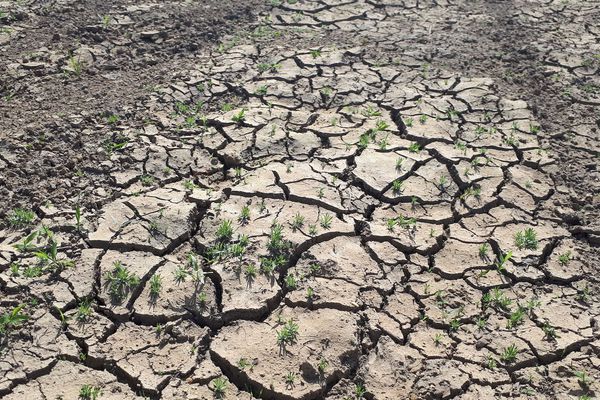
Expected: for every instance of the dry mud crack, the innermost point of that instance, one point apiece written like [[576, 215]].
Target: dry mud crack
[[292, 217]]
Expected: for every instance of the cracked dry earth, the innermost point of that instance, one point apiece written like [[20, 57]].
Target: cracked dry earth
[[327, 205]]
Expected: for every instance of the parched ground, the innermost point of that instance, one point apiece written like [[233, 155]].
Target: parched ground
[[333, 199]]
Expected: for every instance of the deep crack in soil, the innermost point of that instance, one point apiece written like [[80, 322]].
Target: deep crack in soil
[[326, 199]]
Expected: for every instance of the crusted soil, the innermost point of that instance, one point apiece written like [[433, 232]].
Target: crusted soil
[[333, 199]]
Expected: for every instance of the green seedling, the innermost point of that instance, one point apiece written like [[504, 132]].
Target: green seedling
[[549, 331], [399, 163], [322, 366], [515, 318], [219, 386], [75, 66], [290, 282], [155, 286], [397, 186], [84, 311], [11, 320], [564, 259], [483, 251], [583, 378], [188, 184], [414, 147], [271, 67], [89, 392], [147, 180], [297, 222], [443, 184], [251, 271], [239, 117], [290, 380], [225, 231], [120, 281], [78, 223], [287, 335], [20, 218], [244, 217], [325, 221], [509, 354], [526, 239], [359, 391], [502, 262]]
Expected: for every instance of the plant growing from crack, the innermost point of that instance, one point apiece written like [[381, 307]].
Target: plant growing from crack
[[155, 286], [147, 180], [502, 262], [397, 186], [526, 239], [384, 143], [484, 250], [325, 221], [290, 282], [120, 281], [509, 354], [322, 366], [219, 386], [271, 67], [297, 222], [583, 294], [391, 224], [414, 147], [474, 191], [443, 184], [243, 364], [549, 331], [290, 380], [399, 162], [371, 112], [240, 117], [495, 298], [455, 324], [359, 391], [250, 271], [408, 122], [84, 311]]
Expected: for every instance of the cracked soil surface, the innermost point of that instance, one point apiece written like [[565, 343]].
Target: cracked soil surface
[[294, 199]]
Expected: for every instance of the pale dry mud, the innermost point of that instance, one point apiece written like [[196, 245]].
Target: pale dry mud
[[295, 217]]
